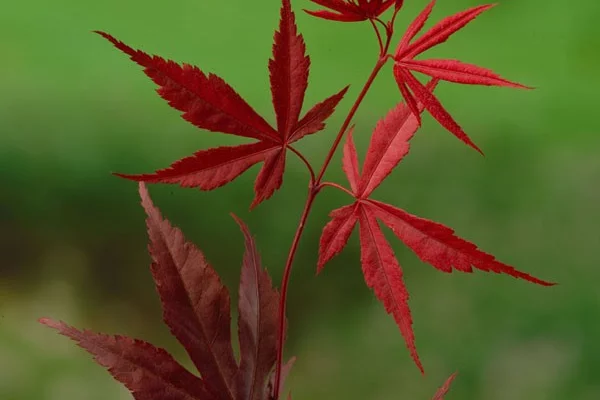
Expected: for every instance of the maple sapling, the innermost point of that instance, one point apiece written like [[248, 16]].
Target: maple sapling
[[196, 305]]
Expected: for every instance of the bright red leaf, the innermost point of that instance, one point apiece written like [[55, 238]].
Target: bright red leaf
[[196, 308], [337, 232], [384, 275], [390, 142], [353, 10], [447, 70], [437, 244], [432, 242], [350, 162], [210, 103]]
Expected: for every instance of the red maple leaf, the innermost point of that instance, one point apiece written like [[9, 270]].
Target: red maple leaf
[[208, 102], [352, 10], [432, 242], [196, 308], [443, 69]]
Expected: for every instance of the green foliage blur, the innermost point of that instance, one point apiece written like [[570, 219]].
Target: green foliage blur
[[73, 245]]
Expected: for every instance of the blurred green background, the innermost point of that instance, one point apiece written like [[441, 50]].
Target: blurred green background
[[72, 237]]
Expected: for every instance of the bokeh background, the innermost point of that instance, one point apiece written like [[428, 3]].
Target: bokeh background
[[72, 238]]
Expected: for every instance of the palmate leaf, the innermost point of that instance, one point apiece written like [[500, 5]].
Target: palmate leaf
[[442, 69], [210, 103], [432, 242], [196, 308]]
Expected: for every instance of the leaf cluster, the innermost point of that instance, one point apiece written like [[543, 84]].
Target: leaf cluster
[[196, 305]]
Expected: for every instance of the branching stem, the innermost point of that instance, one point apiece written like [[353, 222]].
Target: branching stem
[[315, 187]]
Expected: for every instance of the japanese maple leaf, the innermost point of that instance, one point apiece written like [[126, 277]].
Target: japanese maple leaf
[[351, 10], [432, 242], [444, 69], [208, 102], [196, 308]]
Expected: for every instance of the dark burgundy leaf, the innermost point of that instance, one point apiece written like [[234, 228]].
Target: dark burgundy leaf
[[196, 307], [285, 371], [195, 303], [258, 307], [150, 373]]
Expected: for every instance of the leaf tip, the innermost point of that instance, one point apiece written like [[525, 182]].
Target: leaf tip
[[320, 267], [474, 146], [136, 178], [239, 221], [485, 7], [418, 362], [50, 323], [105, 35], [542, 282], [254, 203]]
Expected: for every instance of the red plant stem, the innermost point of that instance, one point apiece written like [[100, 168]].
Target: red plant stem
[[380, 63], [335, 185], [378, 37], [311, 171], [313, 191], [285, 280]]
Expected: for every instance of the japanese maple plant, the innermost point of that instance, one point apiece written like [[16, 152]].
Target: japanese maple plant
[[196, 305]]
